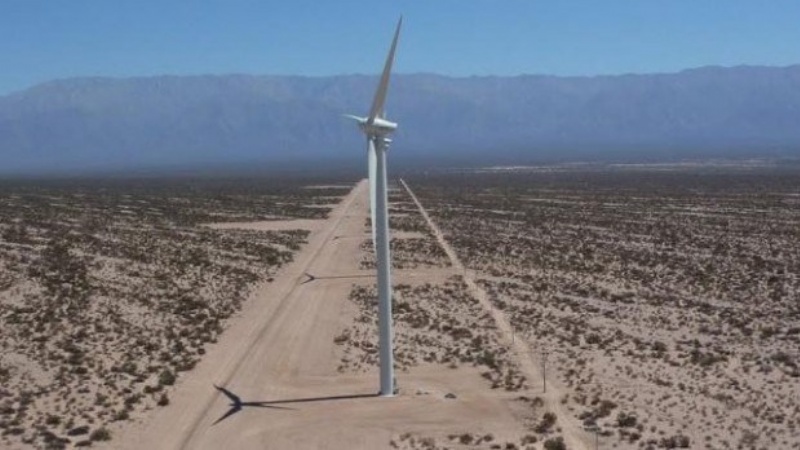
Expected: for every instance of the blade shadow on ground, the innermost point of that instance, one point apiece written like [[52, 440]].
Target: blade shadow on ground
[[310, 277], [237, 404]]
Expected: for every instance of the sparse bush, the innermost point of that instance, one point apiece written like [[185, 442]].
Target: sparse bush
[[163, 400], [677, 441], [556, 443], [547, 422], [625, 420], [53, 420], [100, 434], [166, 378], [342, 338], [593, 339], [78, 431]]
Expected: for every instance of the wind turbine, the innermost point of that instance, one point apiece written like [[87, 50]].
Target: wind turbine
[[377, 129]]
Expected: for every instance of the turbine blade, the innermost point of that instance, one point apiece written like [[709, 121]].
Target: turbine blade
[[372, 162], [383, 86], [356, 118]]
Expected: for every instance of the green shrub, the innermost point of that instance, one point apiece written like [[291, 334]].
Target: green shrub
[[166, 378], [555, 444]]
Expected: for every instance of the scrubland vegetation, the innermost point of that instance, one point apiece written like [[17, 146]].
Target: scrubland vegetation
[[666, 301], [434, 324], [412, 244], [109, 290], [439, 324]]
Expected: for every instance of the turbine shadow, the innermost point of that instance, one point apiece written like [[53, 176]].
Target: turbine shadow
[[237, 404], [310, 278], [320, 399]]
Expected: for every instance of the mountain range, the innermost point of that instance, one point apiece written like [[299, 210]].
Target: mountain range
[[173, 121]]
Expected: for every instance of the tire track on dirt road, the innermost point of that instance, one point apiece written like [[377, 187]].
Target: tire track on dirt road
[[175, 425], [574, 435]]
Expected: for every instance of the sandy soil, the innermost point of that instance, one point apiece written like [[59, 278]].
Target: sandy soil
[[109, 294], [280, 358], [574, 436], [664, 305], [639, 301]]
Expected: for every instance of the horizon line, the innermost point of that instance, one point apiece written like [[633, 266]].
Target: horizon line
[[401, 74]]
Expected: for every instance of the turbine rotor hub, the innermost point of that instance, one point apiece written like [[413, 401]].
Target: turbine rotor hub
[[378, 127]]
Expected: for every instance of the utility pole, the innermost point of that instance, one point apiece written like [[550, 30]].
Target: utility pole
[[544, 371], [513, 333], [597, 438], [596, 429], [543, 356]]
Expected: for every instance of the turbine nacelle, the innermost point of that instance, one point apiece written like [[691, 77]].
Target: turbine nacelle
[[378, 126]]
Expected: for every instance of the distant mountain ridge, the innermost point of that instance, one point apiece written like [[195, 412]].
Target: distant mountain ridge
[[242, 119]]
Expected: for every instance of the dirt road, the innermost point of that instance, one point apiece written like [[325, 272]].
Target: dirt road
[[574, 436], [279, 358]]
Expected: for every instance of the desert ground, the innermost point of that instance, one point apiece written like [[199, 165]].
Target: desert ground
[[534, 309], [664, 300], [303, 357], [110, 291]]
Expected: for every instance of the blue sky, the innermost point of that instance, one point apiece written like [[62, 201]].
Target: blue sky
[[42, 40]]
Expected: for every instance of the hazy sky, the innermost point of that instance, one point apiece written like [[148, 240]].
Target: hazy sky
[[41, 40]]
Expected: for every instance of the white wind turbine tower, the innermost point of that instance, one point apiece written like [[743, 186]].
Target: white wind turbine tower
[[377, 130]]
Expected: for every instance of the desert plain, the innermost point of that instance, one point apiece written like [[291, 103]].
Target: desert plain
[[546, 308]]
